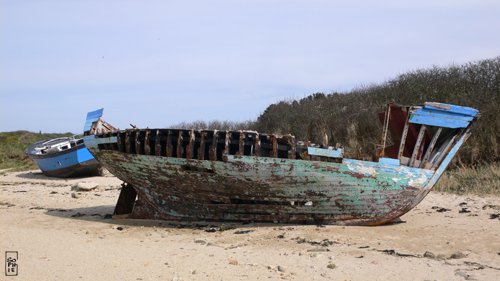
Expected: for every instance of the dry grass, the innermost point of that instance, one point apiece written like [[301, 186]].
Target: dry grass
[[481, 180], [350, 118], [13, 146]]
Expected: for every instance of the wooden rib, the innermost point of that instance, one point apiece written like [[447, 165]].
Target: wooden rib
[[213, 147], [241, 144], [431, 147], [119, 142], [418, 144], [386, 128], [158, 143], [190, 146], [403, 139], [179, 144], [201, 149], [274, 139], [293, 147], [226, 143], [128, 143], [169, 148], [257, 144], [445, 151], [147, 148], [137, 142]]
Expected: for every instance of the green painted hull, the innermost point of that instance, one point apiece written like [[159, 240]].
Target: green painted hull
[[260, 189]]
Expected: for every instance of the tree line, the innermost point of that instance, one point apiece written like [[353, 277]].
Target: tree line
[[350, 118]]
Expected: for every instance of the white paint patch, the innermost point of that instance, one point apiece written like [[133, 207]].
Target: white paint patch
[[365, 170], [420, 181]]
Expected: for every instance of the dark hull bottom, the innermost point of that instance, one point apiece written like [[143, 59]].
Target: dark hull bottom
[[143, 210], [85, 169], [132, 204]]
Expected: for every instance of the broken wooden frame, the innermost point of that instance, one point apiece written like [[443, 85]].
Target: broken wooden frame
[[439, 127], [214, 145]]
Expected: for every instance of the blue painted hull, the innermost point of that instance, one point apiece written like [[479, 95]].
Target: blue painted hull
[[74, 162]]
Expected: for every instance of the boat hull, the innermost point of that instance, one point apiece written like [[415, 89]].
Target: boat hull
[[261, 189], [246, 176], [74, 162]]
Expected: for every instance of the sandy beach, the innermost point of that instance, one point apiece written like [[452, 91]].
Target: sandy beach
[[63, 232]]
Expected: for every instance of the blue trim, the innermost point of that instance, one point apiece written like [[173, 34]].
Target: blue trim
[[443, 115], [334, 153], [389, 161], [92, 117], [431, 113], [423, 118], [64, 160], [451, 108]]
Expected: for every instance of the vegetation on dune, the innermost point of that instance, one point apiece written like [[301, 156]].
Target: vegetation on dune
[[13, 146], [351, 118], [215, 125], [479, 180]]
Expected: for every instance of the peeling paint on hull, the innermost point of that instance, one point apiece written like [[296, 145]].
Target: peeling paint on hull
[[262, 189]]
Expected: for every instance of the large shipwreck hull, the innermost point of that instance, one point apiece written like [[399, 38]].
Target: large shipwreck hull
[[245, 176]]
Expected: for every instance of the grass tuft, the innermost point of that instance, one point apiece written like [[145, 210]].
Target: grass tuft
[[482, 180]]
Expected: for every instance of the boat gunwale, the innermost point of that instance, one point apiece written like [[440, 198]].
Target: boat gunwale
[[58, 153]]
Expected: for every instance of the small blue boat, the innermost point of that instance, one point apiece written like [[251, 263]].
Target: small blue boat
[[63, 158], [66, 157]]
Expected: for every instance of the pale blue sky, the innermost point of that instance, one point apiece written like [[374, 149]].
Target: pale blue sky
[[158, 63]]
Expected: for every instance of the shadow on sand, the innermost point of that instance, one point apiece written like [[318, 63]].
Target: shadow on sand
[[38, 175], [104, 214]]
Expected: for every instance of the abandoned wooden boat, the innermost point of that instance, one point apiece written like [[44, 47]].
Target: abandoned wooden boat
[[212, 175]]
